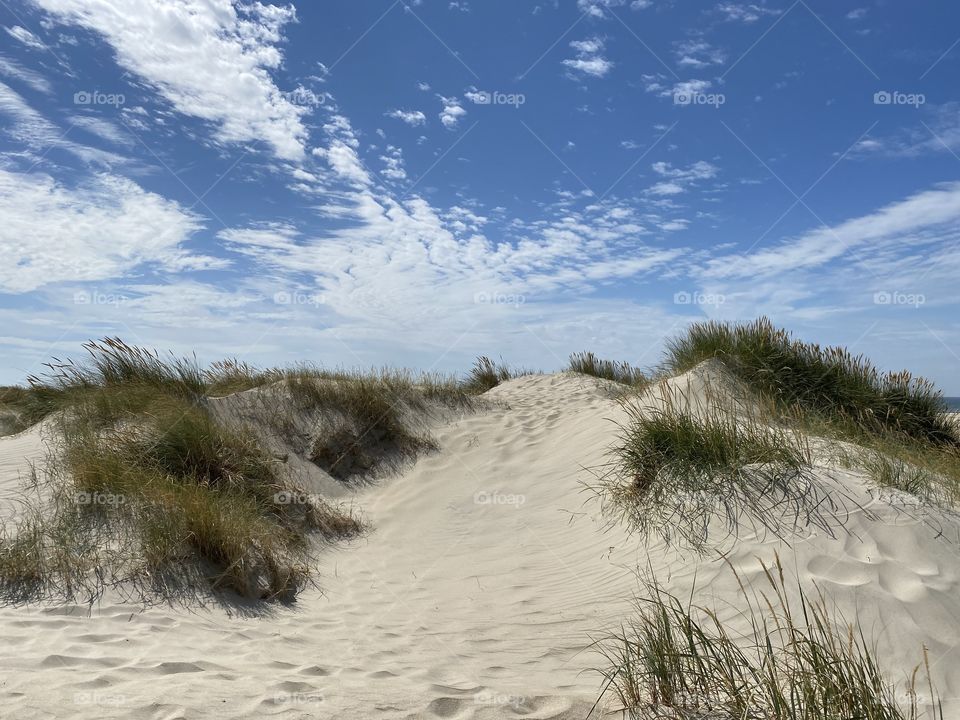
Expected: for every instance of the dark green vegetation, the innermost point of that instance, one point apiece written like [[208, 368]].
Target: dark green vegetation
[[827, 383], [678, 661]]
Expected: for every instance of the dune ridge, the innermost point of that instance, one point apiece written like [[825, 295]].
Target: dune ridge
[[486, 575]]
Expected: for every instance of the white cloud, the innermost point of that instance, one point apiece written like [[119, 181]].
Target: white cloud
[[39, 135], [744, 12], [589, 61], [103, 229], [345, 162], [939, 132], [700, 170], [209, 60], [894, 224], [104, 129], [393, 164], [655, 84], [410, 117], [857, 14], [25, 36], [590, 46], [698, 54], [595, 8], [679, 180], [35, 80], [452, 112], [666, 188]]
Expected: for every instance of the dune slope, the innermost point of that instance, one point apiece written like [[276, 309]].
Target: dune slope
[[486, 572]]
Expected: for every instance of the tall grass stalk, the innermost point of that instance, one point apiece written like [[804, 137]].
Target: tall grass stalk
[[794, 662]]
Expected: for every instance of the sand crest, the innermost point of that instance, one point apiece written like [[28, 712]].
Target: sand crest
[[485, 576]]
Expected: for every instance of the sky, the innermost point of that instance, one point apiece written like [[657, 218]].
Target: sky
[[418, 182]]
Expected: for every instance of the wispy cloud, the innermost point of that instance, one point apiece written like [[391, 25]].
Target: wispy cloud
[[745, 12], [103, 229], [25, 36]]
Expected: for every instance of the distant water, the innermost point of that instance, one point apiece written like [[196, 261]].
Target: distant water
[[953, 403]]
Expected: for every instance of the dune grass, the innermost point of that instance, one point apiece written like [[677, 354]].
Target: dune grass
[[675, 472], [13, 400], [928, 471], [485, 375], [170, 499], [152, 483], [794, 662], [828, 384], [372, 418], [149, 486], [586, 363]]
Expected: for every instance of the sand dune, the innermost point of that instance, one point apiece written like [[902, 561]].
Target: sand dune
[[476, 593]]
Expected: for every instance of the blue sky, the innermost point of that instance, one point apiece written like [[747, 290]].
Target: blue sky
[[419, 182]]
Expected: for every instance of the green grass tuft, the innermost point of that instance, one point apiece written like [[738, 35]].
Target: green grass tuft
[[586, 363], [828, 383], [486, 375], [674, 472]]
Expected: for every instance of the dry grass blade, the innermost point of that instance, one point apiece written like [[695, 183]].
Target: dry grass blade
[[796, 663]]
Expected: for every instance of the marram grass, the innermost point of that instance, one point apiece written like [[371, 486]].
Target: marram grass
[[794, 662]]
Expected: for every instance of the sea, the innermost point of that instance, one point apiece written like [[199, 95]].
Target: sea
[[953, 403]]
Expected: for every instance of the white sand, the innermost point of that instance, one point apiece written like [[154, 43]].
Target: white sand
[[474, 596]]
